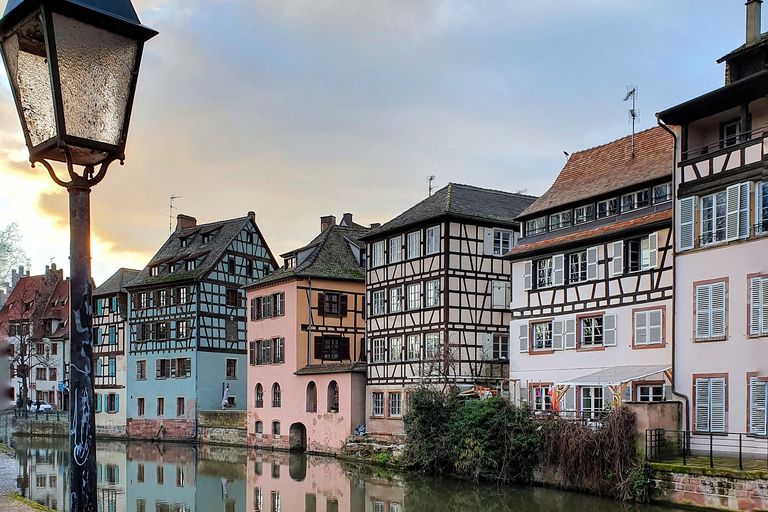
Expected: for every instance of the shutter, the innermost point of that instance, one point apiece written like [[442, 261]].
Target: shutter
[[558, 275], [344, 349], [343, 304], [507, 294], [609, 330], [487, 346], [488, 241], [499, 294], [557, 335], [744, 209], [524, 338], [252, 352], [764, 299], [174, 367], [641, 328], [592, 263], [617, 265], [117, 402], [653, 254], [98, 402], [732, 212], [568, 402], [717, 410], [702, 311], [756, 406], [321, 304], [570, 334], [527, 270], [686, 237], [157, 368], [702, 405], [319, 346], [98, 306], [755, 308], [718, 310], [253, 309], [655, 327]]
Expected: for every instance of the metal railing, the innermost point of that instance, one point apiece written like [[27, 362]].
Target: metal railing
[[728, 450], [37, 415]]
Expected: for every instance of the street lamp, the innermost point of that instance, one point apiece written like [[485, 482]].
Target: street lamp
[[73, 67]]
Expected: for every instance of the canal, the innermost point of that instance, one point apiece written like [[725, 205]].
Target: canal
[[151, 477]]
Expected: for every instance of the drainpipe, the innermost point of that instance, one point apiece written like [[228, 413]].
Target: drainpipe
[[674, 277], [309, 320]]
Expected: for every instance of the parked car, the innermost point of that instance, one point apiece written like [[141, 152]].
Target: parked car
[[44, 406]]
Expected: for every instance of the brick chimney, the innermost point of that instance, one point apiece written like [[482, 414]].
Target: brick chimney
[[185, 221], [346, 220], [753, 20], [326, 222], [252, 215]]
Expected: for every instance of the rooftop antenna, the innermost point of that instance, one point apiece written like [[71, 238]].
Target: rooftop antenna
[[634, 113], [430, 178], [170, 213]]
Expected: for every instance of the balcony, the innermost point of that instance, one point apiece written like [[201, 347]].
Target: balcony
[[723, 155]]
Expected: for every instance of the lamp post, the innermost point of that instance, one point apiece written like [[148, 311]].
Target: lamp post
[[73, 67]]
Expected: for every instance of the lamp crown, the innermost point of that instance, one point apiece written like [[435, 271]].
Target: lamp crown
[[117, 8]]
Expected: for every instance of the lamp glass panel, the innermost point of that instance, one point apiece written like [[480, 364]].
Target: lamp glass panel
[[27, 65], [96, 73]]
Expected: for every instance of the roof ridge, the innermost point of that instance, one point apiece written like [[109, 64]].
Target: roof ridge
[[225, 221], [493, 190], [614, 141]]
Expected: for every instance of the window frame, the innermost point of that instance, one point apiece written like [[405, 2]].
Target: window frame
[[560, 220], [536, 226], [230, 368], [503, 241], [595, 339], [378, 350], [395, 349], [413, 245], [377, 254], [413, 296], [378, 302], [544, 272], [395, 249], [396, 299], [394, 404], [432, 293], [432, 240], [581, 257], [377, 404], [539, 330]]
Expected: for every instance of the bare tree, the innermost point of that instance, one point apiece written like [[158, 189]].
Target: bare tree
[[11, 255]]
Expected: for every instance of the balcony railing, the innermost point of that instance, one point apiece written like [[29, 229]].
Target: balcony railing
[[723, 155], [728, 450]]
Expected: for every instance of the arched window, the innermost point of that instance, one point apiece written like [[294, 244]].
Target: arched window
[[259, 396], [276, 395], [276, 428], [311, 397], [259, 428], [333, 396]]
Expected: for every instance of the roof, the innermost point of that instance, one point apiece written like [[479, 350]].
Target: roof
[[582, 237], [608, 168], [314, 369], [58, 308], [464, 201], [28, 289], [331, 257], [616, 375], [116, 283], [762, 40]]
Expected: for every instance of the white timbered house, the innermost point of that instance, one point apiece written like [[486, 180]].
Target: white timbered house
[[592, 281], [437, 292]]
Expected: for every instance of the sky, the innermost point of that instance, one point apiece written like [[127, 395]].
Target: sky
[[297, 109]]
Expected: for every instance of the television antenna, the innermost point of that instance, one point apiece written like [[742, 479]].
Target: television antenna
[[430, 179], [634, 113], [170, 213]]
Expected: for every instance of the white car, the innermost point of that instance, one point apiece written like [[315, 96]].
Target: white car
[[44, 406]]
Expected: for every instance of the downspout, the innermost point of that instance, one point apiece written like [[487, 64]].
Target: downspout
[[674, 275], [197, 355], [309, 320]]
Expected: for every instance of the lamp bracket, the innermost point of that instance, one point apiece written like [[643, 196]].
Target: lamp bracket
[[87, 179]]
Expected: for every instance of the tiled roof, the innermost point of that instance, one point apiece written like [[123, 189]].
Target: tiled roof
[[459, 200], [313, 369], [28, 289], [331, 258], [550, 244], [116, 283], [608, 168], [58, 308], [762, 40]]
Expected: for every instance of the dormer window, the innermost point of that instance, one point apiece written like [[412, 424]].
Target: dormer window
[[634, 200], [536, 226], [171, 268], [189, 265], [205, 238], [583, 214], [607, 208], [560, 220], [662, 193], [290, 262], [154, 271], [185, 241]]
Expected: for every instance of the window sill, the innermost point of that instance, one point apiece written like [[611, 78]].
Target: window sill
[[590, 348], [649, 345], [707, 340], [541, 351]]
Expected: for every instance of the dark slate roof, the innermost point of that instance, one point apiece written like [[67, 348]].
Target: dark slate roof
[[314, 369], [608, 168], [331, 258], [464, 201], [117, 282], [762, 40]]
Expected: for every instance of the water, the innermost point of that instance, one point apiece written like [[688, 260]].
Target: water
[[150, 477]]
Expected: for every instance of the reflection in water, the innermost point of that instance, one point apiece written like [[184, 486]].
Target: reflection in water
[[150, 477]]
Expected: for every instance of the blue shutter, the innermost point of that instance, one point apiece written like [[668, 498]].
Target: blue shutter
[[117, 402]]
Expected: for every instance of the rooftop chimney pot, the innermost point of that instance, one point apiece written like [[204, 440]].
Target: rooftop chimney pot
[[346, 220], [252, 215], [753, 20], [185, 221]]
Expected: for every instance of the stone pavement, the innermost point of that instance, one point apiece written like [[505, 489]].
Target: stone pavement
[[8, 486]]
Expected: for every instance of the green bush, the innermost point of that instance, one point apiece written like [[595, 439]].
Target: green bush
[[427, 446]]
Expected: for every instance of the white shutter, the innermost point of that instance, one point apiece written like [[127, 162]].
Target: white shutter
[[488, 241], [524, 338], [527, 268], [755, 305], [655, 327], [568, 402], [744, 209], [617, 265], [686, 237], [764, 298], [592, 263], [757, 406], [487, 346], [609, 330], [653, 254], [717, 405], [641, 328], [732, 212], [558, 275], [607, 397], [703, 301], [718, 310], [570, 334], [500, 294], [557, 335], [702, 405]]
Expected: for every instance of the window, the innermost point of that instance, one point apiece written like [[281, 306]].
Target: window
[[377, 403], [713, 209], [154, 271], [634, 200], [414, 296], [559, 220], [413, 348], [500, 346], [54, 349], [591, 402], [231, 266], [395, 249], [259, 428], [607, 208], [265, 307], [189, 265], [592, 331], [278, 352], [502, 242], [761, 208], [648, 327], [333, 396], [709, 303], [276, 429], [40, 374], [500, 294], [543, 269], [710, 399], [577, 267], [140, 406], [52, 376], [259, 396], [757, 408], [432, 240], [431, 341], [395, 299], [278, 304], [231, 368], [584, 214], [276, 395], [161, 330], [232, 298], [641, 253], [162, 298], [162, 368], [413, 245], [377, 254], [143, 300], [433, 293], [182, 329], [180, 476], [377, 355], [758, 306], [160, 407], [377, 302], [183, 295], [112, 402], [179, 406], [662, 193], [395, 349], [650, 393], [331, 348], [263, 352], [729, 133], [536, 226], [542, 336], [395, 404], [330, 304], [311, 399]]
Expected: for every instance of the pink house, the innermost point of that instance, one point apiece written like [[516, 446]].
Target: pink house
[[306, 350]]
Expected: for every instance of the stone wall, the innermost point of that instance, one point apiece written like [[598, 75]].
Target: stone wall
[[666, 415], [222, 427]]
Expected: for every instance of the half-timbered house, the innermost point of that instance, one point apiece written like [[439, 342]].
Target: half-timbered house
[[721, 266], [110, 326], [307, 373], [592, 281], [187, 314], [438, 297]]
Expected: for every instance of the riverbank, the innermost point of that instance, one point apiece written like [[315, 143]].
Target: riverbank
[[10, 501]]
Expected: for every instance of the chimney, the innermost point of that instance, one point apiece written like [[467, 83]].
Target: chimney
[[252, 215], [326, 222], [346, 220], [753, 20], [185, 221], [374, 225]]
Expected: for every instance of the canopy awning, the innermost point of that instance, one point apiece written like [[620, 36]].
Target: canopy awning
[[616, 375]]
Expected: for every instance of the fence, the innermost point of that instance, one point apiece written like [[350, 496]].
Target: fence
[[730, 450], [37, 415]]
